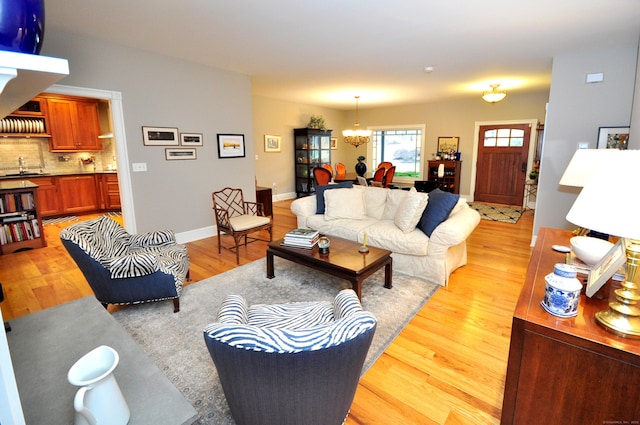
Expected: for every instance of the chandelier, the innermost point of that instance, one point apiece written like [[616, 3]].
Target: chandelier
[[356, 137], [494, 95]]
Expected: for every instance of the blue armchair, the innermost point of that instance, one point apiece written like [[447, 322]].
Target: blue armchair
[[290, 364], [127, 269]]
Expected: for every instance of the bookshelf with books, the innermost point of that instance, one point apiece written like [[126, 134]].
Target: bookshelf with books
[[20, 221], [301, 238]]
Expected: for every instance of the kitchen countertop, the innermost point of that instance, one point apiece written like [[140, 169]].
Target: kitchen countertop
[[16, 176]]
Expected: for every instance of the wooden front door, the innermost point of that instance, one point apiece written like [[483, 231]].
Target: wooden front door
[[502, 163]]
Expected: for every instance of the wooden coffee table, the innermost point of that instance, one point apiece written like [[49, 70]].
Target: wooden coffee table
[[343, 261]]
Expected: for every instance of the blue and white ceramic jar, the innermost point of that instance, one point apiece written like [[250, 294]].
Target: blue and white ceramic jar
[[562, 291]]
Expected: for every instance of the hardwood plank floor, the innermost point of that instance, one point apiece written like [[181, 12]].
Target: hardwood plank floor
[[446, 367]]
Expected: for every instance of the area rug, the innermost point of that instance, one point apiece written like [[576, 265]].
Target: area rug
[[57, 220], [175, 342], [500, 213]]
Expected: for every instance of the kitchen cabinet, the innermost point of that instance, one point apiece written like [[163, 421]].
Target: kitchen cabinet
[[30, 120], [78, 193], [109, 191], [48, 198], [74, 124]]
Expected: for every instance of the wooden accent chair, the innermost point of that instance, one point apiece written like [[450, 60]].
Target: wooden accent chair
[[238, 218], [341, 170], [321, 176], [388, 176]]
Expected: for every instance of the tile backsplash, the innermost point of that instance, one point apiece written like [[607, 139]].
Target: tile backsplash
[[35, 152]]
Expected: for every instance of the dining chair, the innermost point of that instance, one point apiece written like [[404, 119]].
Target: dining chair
[[362, 181], [328, 167], [388, 176], [321, 176], [341, 171], [378, 176], [384, 164]]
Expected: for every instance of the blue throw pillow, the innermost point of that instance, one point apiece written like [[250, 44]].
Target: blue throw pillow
[[320, 193], [438, 209]]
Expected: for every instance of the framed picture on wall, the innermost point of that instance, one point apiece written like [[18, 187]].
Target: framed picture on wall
[[160, 136], [448, 144], [231, 146], [173, 154], [334, 143], [191, 139], [271, 143], [613, 137]]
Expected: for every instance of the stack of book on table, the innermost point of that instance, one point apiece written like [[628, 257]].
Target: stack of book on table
[[301, 238]]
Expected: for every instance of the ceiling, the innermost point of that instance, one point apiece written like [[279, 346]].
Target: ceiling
[[328, 51]]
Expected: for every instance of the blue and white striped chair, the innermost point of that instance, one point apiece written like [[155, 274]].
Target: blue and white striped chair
[[290, 364], [127, 269]]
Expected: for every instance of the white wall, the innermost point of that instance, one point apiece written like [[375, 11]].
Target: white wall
[[576, 111], [165, 92]]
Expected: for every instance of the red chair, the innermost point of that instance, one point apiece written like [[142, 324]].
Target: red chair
[[321, 176], [388, 176], [341, 170], [385, 164], [378, 177], [328, 167]]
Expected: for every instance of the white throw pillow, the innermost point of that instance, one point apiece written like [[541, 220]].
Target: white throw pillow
[[410, 210], [344, 203], [394, 199]]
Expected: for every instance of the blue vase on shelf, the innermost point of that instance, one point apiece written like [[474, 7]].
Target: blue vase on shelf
[[22, 26]]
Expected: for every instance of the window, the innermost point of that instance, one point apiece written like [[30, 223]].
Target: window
[[401, 146], [504, 137]]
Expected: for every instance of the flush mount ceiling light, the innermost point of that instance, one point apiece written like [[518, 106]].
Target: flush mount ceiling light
[[356, 137], [494, 95]]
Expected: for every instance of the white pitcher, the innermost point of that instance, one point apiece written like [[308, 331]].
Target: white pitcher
[[99, 401]]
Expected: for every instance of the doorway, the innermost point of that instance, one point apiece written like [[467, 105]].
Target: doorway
[[502, 161]]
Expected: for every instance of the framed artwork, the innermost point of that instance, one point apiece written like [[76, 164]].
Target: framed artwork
[[334, 143], [191, 139], [271, 143], [606, 267], [613, 137], [160, 136], [448, 144], [231, 146], [173, 154]]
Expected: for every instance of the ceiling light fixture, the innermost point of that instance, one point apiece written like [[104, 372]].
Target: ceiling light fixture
[[356, 137], [494, 95]]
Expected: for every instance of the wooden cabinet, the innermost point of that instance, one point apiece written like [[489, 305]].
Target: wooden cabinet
[[30, 120], [78, 193], [450, 182], [312, 149], [74, 124], [569, 371], [20, 221], [265, 197], [48, 197], [109, 191]]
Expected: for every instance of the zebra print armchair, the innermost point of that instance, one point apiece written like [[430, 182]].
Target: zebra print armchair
[[290, 364], [127, 269]]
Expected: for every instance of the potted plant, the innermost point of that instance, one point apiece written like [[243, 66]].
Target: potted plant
[[534, 175], [361, 166], [317, 122]]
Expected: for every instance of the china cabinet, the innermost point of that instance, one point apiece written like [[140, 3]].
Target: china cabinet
[[312, 149]]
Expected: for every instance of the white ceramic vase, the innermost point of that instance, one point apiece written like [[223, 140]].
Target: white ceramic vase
[[99, 400]]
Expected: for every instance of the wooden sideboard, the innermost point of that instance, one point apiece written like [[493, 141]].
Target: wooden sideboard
[[567, 371]]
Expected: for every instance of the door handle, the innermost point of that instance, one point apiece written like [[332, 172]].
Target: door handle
[[524, 167]]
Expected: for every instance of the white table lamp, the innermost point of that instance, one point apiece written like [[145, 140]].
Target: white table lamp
[[610, 203]]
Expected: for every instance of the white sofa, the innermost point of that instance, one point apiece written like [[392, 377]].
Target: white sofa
[[388, 219]]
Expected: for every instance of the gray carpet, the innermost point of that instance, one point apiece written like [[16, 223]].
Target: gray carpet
[[175, 341]]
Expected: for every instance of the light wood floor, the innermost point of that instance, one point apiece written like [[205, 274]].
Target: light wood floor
[[446, 367]]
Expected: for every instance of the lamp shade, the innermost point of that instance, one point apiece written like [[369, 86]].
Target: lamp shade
[[586, 162], [609, 201]]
